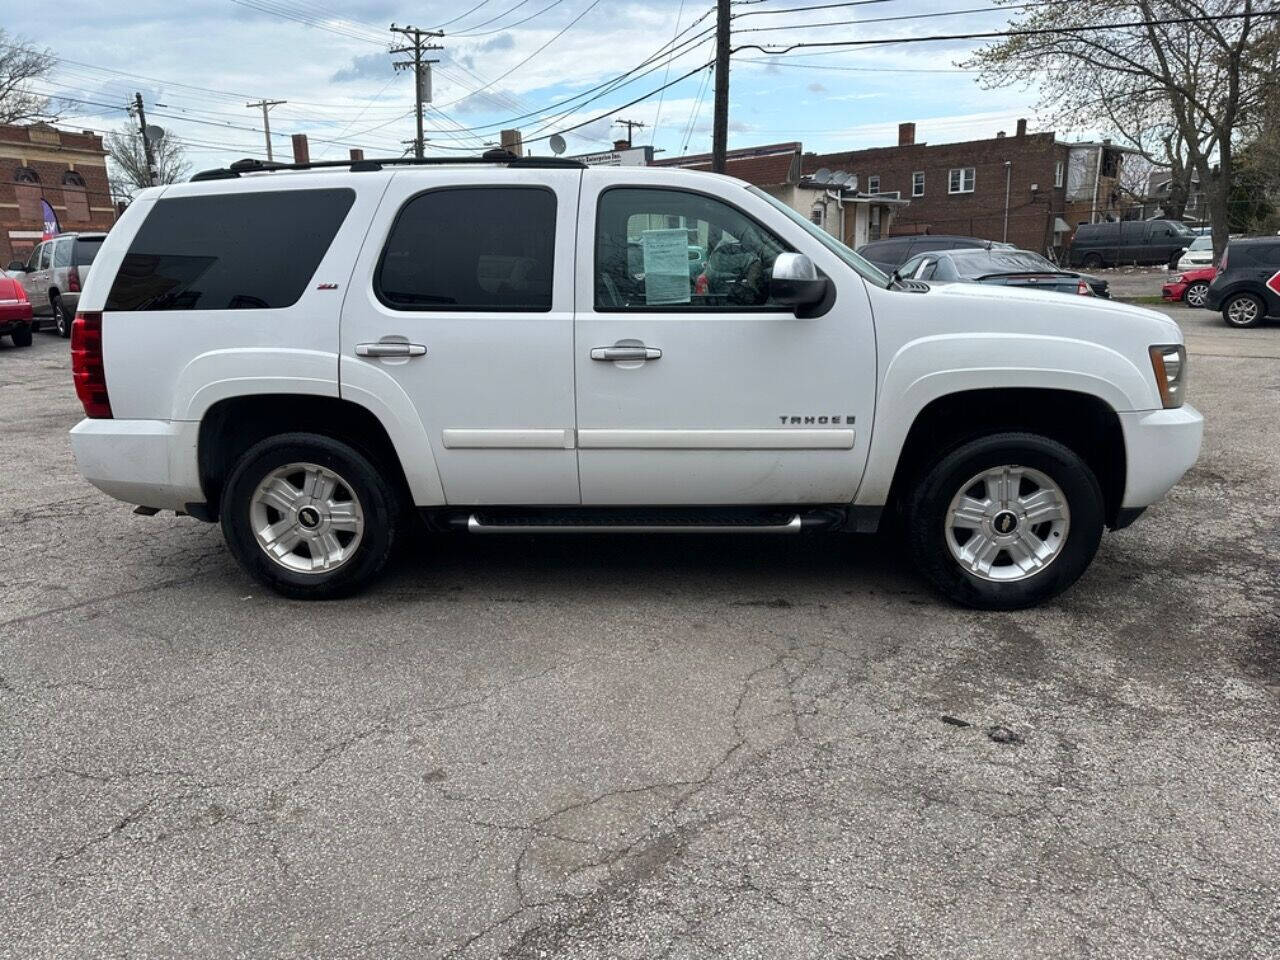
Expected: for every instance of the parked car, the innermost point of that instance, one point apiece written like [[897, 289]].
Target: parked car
[[15, 312], [1247, 286], [1190, 287], [1128, 241], [55, 273], [891, 253], [1012, 268], [306, 358], [1199, 254]]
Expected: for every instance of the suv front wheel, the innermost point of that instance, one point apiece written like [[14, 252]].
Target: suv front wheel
[[309, 516], [1005, 521], [1243, 310]]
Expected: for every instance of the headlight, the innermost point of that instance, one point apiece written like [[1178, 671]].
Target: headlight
[[1169, 364]]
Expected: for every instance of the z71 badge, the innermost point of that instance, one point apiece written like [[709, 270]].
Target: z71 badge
[[791, 421]]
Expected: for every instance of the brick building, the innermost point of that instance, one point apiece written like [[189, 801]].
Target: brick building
[[69, 170], [848, 215], [960, 188]]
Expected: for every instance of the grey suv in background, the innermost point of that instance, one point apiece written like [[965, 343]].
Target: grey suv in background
[[54, 275]]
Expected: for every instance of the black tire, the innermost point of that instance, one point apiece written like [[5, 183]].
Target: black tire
[[376, 496], [1240, 301], [1196, 294], [1091, 261], [1174, 260], [21, 336], [61, 319], [931, 498]]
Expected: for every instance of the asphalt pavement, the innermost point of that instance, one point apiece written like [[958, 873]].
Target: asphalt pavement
[[615, 747]]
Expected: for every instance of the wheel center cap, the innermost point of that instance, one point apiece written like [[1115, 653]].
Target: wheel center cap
[[1004, 522], [309, 517]]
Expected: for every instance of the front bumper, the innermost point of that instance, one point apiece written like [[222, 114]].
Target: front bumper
[[1160, 446], [148, 462], [1173, 291]]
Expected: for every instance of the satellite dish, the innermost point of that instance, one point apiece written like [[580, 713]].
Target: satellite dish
[[557, 144], [823, 175], [840, 177], [155, 134]]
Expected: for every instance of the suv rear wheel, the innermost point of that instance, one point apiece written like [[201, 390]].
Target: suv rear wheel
[[1005, 521], [309, 516], [61, 319], [1243, 310]]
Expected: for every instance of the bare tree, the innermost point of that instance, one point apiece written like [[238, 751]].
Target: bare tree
[[20, 64], [1182, 77], [129, 161]]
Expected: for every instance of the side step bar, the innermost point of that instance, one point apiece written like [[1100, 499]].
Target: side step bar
[[794, 525]]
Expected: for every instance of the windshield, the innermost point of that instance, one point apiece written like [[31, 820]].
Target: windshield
[[985, 262], [864, 266], [1201, 243]]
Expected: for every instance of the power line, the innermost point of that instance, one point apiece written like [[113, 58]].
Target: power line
[[472, 32]]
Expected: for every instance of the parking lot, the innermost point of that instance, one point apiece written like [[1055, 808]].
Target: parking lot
[[616, 747]]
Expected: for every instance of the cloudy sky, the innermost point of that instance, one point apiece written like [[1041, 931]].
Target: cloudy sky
[[540, 65]]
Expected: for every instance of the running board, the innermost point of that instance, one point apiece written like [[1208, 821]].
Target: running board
[[475, 525]]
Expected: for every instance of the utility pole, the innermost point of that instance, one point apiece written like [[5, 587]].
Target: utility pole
[[421, 71], [720, 122], [629, 124], [266, 106], [141, 114]]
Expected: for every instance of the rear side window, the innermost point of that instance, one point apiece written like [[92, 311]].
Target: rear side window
[[471, 248], [86, 249], [235, 251]]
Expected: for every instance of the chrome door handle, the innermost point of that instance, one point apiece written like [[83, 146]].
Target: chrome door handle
[[390, 348], [614, 354]]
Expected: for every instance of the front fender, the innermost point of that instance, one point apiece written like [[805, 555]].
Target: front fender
[[929, 368]]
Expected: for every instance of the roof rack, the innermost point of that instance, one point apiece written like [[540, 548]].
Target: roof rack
[[362, 166]]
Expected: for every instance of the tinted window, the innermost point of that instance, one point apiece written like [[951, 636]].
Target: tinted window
[[944, 243], [471, 248], [228, 251], [46, 255], [1267, 255], [62, 253], [33, 261], [642, 236], [86, 249], [1000, 261]]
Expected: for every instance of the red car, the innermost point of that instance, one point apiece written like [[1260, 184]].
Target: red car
[[15, 312], [1190, 286]]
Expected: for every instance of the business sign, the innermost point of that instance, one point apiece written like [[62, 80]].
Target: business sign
[[50, 218], [631, 157]]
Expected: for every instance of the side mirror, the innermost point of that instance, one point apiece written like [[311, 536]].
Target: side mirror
[[17, 265], [795, 281]]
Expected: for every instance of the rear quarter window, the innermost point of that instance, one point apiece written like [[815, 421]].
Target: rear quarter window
[[232, 251], [86, 249]]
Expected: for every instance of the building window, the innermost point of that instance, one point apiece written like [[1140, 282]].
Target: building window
[[72, 179], [917, 184], [1058, 170], [873, 184], [26, 175], [961, 180]]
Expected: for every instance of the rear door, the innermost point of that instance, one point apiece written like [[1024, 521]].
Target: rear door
[[462, 300]]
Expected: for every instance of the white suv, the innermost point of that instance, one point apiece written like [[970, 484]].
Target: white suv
[[308, 355]]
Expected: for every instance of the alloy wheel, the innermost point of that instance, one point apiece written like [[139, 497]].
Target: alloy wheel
[[1242, 311], [1197, 294], [1007, 523], [306, 518]]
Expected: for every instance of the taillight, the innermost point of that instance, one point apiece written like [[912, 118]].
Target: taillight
[[73, 280], [1083, 289], [86, 365], [1222, 264]]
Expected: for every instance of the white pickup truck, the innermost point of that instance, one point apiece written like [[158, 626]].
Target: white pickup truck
[[309, 355]]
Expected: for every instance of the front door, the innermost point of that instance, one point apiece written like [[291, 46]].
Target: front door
[[693, 387], [462, 300], [36, 279]]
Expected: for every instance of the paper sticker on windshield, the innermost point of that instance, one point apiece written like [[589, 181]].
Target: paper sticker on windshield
[[666, 265]]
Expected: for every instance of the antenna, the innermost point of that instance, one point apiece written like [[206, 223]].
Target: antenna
[[822, 175], [557, 144]]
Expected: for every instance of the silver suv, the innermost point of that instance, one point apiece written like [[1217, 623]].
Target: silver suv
[[55, 273]]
